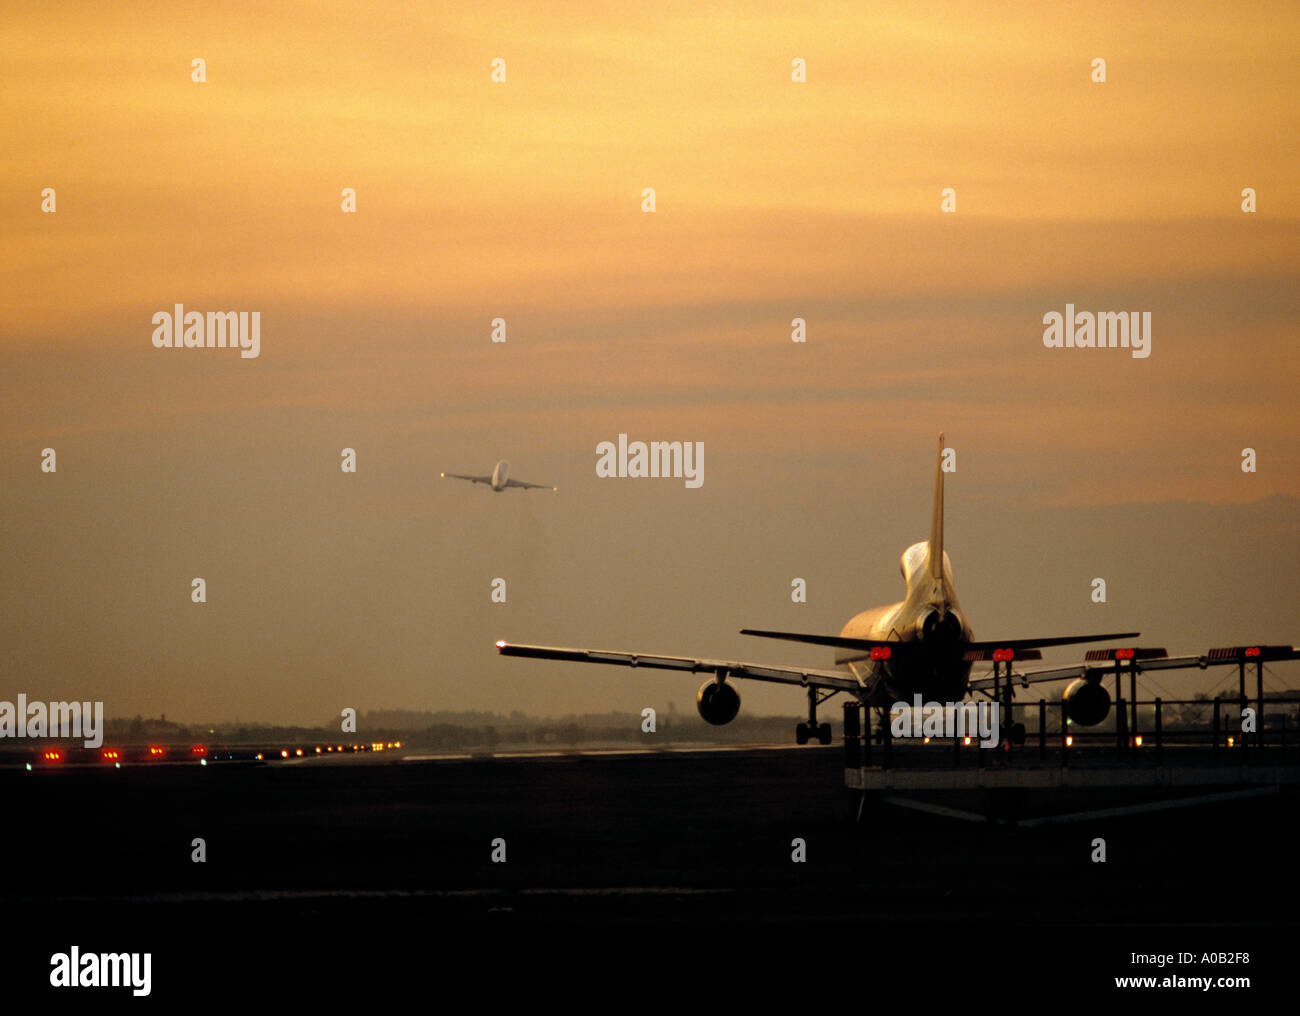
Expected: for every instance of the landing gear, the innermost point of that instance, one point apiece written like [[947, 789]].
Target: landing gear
[[804, 732]]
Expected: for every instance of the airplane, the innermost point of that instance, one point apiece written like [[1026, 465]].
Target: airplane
[[499, 480], [922, 645]]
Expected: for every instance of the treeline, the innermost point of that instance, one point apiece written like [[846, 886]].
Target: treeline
[[446, 730]]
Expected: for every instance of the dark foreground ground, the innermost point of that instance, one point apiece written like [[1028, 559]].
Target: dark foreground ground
[[628, 874]]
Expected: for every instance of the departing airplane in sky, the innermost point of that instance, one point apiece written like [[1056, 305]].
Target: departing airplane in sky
[[499, 480], [923, 646]]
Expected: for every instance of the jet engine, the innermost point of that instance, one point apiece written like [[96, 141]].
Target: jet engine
[[718, 702], [1087, 703]]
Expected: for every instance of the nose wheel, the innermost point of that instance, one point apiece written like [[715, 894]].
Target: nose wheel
[[805, 732]]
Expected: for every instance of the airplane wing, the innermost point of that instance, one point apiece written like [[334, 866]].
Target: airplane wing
[[843, 643], [472, 479], [1103, 662], [533, 486], [1040, 676], [837, 679]]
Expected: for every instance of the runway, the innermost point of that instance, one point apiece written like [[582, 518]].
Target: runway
[[671, 848]]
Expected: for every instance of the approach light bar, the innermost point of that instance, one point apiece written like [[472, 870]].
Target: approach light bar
[[1001, 655], [1094, 655], [1235, 654]]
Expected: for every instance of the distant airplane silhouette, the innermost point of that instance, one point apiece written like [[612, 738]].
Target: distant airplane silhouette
[[499, 479]]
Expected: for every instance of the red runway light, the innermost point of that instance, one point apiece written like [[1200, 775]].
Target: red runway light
[[198, 750], [157, 751]]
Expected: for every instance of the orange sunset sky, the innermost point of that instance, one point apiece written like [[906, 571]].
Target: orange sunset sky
[[522, 200]]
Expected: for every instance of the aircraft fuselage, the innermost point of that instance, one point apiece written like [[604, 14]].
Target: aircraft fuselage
[[930, 621]]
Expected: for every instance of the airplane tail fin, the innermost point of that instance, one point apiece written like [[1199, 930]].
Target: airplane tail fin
[[936, 523]]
